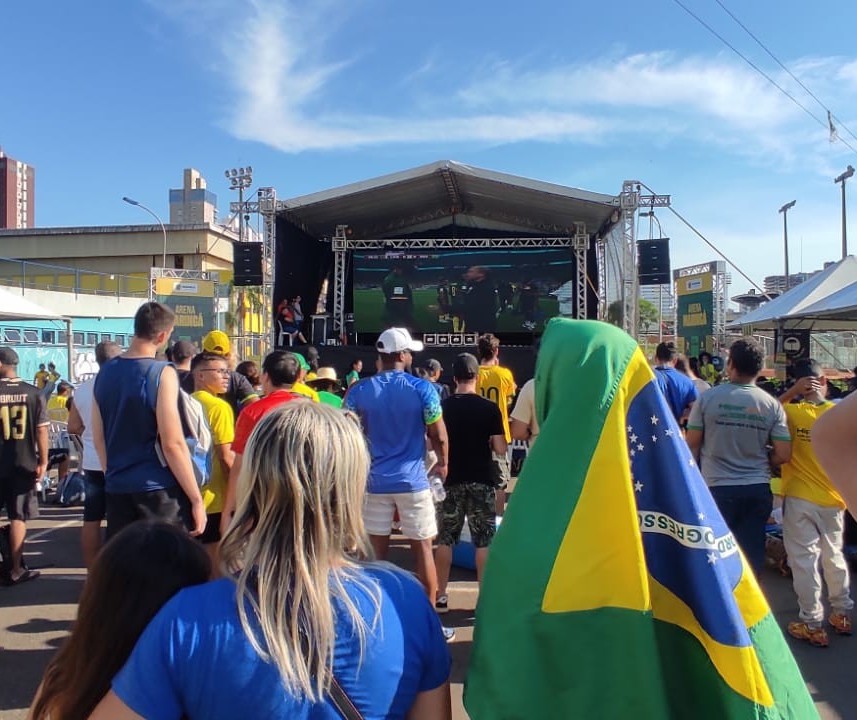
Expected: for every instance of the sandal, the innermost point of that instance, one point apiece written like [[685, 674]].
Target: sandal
[[25, 576]]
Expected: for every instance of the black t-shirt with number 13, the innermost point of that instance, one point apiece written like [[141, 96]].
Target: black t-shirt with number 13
[[22, 410]]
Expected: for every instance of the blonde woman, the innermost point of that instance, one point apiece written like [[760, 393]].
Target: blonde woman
[[298, 616]]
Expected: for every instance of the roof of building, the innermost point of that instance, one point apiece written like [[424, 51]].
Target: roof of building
[[436, 195]]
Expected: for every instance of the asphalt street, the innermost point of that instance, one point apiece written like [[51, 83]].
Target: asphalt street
[[35, 617]]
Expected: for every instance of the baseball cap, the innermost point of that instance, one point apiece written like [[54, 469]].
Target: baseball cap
[[8, 356], [394, 340], [182, 350], [465, 367], [302, 362], [216, 342], [433, 366]]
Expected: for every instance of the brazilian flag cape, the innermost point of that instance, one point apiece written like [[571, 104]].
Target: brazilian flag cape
[[613, 588]]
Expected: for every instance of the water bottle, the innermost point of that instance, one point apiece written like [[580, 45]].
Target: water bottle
[[438, 491]]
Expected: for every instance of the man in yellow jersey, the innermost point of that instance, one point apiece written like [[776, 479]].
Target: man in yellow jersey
[[813, 515], [211, 379], [496, 384], [41, 377]]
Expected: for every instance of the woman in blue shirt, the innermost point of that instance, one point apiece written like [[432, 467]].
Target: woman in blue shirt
[[297, 612]]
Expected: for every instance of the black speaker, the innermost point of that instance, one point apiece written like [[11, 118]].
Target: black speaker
[[653, 261], [247, 264]]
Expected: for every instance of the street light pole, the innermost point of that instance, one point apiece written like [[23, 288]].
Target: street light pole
[[785, 212], [163, 228], [849, 172]]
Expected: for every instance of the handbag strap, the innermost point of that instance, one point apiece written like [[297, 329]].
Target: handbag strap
[[342, 702]]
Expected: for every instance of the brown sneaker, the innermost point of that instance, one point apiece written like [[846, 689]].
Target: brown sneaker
[[816, 636], [840, 622]]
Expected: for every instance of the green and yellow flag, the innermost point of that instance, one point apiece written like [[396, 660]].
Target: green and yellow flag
[[613, 588]]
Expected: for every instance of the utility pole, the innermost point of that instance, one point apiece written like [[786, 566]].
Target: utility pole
[[785, 212], [849, 172]]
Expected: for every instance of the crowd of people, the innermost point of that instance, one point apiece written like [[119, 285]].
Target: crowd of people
[[251, 545]]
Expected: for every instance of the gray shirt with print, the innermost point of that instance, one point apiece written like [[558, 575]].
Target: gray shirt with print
[[738, 422]]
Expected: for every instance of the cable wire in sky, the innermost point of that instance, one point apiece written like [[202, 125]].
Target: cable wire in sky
[[759, 70], [711, 245], [782, 65]]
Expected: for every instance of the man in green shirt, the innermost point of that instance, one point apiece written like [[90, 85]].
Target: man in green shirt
[[326, 384]]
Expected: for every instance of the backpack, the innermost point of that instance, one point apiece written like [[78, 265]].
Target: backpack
[[72, 490], [195, 428]]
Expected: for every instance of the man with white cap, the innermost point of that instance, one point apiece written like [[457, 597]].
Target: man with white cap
[[397, 410]]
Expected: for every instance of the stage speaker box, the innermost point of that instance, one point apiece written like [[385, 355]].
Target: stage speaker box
[[247, 263], [653, 261]]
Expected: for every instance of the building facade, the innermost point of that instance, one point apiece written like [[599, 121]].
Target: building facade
[[17, 193], [110, 259], [193, 204]]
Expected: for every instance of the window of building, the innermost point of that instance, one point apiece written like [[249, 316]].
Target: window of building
[[12, 335], [77, 338], [62, 337], [106, 337], [92, 338], [49, 337], [31, 336], [120, 340], [179, 262]]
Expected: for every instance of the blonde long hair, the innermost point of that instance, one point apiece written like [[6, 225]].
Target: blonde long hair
[[297, 537]]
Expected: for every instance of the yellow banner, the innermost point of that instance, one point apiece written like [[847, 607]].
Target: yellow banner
[[694, 284], [184, 287]]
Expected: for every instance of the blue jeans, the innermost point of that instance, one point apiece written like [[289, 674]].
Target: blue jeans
[[746, 509]]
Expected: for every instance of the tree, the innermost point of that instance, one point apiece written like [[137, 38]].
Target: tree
[[648, 315], [615, 313]]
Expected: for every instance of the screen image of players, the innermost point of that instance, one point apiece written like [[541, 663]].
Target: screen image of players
[[480, 300], [398, 298]]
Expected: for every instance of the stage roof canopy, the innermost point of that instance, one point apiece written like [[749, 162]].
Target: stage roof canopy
[[428, 197]]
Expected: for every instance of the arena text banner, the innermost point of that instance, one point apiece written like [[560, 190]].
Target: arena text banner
[[694, 287], [192, 300]]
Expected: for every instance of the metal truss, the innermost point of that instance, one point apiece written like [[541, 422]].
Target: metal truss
[[268, 207], [722, 279], [450, 243], [580, 244], [340, 248], [630, 202]]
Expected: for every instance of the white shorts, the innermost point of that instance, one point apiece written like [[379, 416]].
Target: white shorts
[[416, 513]]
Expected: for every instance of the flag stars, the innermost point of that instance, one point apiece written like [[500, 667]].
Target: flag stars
[[691, 462], [630, 429], [712, 558], [669, 432], [633, 452], [701, 517], [641, 447], [655, 419], [633, 439], [654, 438], [638, 486]]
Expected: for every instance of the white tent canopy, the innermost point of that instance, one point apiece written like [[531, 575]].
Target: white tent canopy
[[839, 308], [16, 307], [792, 309]]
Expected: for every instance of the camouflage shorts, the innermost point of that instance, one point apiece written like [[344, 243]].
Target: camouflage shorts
[[476, 502]]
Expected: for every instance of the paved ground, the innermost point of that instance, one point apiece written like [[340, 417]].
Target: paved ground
[[35, 617]]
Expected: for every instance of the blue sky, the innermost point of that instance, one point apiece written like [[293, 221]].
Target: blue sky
[[115, 98]]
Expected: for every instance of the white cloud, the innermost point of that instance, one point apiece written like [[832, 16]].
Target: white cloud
[[278, 59]]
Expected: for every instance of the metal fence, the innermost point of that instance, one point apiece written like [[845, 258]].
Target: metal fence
[[27, 274]]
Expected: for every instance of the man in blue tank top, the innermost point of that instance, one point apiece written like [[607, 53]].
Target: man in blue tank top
[[127, 426]]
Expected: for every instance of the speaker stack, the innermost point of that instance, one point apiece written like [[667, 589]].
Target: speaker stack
[[247, 264], [653, 261]]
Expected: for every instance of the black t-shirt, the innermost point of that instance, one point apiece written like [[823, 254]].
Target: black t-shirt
[[471, 420], [22, 410], [481, 306]]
